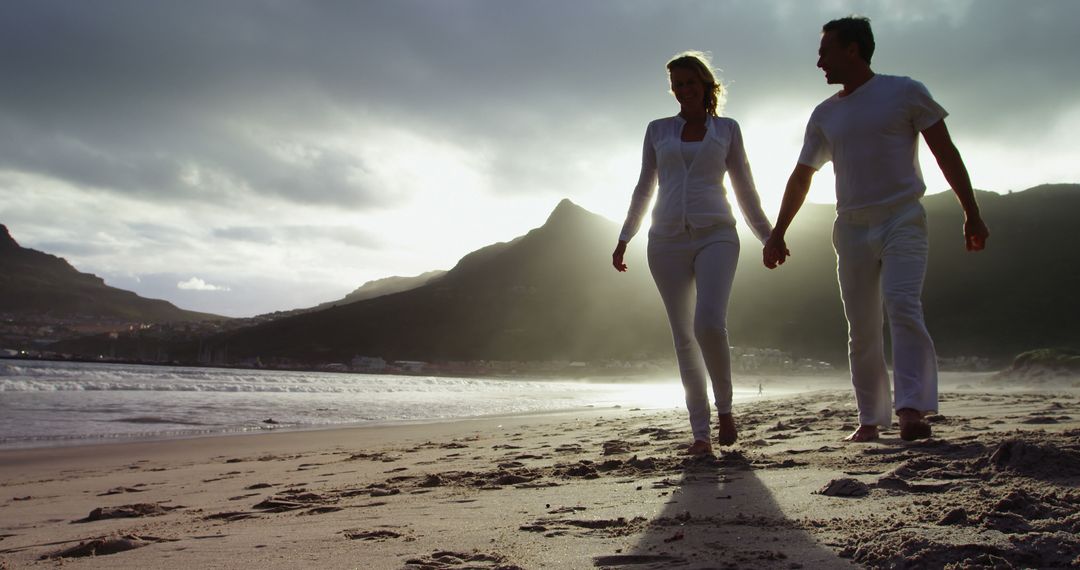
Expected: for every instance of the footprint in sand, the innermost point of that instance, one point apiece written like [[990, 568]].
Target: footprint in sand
[[126, 511], [441, 559], [104, 546], [120, 490], [231, 516], [378, 456], [615, 447], [608, 528], [378, 535], [322, 510], [293, 500], [844, 487], [663, 560]]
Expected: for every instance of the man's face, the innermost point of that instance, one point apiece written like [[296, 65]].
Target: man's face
[[835, 59]]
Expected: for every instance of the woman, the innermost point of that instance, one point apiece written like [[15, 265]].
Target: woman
[[693, 246]]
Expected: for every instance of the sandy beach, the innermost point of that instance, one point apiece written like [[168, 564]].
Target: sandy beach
[[997, 486]]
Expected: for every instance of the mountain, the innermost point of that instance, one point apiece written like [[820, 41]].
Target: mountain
[[369, 290], [545, 295], [385, 286], [1021, 293], [34, 284], [1018, 294], [551, 294]]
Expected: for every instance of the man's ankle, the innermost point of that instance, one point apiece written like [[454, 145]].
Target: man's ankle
[[909, 414]]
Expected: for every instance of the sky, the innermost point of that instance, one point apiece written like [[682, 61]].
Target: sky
[[249, 156]]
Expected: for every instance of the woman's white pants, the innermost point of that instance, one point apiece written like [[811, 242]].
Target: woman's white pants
[[694, 273], [881, 253]]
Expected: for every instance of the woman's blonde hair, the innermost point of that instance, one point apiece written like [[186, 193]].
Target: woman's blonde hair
[[698, 62]]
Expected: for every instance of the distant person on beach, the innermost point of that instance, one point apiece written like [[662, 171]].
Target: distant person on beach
[[870, 130], [693, 246]]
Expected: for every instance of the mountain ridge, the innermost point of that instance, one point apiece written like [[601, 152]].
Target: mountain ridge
[[368, 290], [551, 294], [35, 283], [551, 287]]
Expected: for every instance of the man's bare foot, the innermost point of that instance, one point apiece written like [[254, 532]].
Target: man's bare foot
[[863, 434], [912, 425], [699, 448], [726, 432]]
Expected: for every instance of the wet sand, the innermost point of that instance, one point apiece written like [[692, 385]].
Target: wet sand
[[996, 487]]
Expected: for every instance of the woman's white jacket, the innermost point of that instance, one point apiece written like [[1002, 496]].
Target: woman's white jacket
[[693, 196]]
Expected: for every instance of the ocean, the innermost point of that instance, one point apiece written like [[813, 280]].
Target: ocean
[[63, 403]]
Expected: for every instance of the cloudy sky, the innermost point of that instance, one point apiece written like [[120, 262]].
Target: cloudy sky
[[248, 156]]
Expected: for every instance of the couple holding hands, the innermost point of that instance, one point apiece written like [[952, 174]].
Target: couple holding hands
[[869, 130]]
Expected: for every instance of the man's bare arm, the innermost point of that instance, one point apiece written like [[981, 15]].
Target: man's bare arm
[[798, 185], [952, 166]]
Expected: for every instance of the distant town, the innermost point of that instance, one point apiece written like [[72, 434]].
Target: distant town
[[32, 339]]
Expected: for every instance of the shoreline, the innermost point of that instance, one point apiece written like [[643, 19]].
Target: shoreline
[[292, 440], [154, 404], [596, 374], [778, 386], [377, 424], [597, 488], [123, 439]]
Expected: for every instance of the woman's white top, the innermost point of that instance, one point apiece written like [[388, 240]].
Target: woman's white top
[[689, 151], [691, 193]]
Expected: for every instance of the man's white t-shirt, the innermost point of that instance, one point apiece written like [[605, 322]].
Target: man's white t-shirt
[[872, 138]]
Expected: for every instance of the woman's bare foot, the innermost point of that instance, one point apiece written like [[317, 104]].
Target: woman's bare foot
[[699, 448], [863, 434], [912, 425], [726, 432]]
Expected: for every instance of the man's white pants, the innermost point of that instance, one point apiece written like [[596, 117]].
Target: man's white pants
[[881, 253], [694, 273]]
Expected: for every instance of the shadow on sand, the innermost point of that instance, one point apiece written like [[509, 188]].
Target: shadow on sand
[[720, 515]]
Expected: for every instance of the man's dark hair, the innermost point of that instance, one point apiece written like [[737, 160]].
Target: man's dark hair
[[853, 29]]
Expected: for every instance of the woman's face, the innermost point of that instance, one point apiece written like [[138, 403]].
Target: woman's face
[[688, 88]]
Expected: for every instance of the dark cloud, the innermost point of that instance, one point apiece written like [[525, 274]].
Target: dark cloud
[[298, 235], [252, 234], [999, 67], [68, 249], [134, 97], [224, 127]]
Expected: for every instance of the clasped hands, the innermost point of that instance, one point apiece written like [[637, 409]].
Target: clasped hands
[[775, 251]]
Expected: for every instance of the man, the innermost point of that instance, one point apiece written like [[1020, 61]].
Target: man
[[870, 132]]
